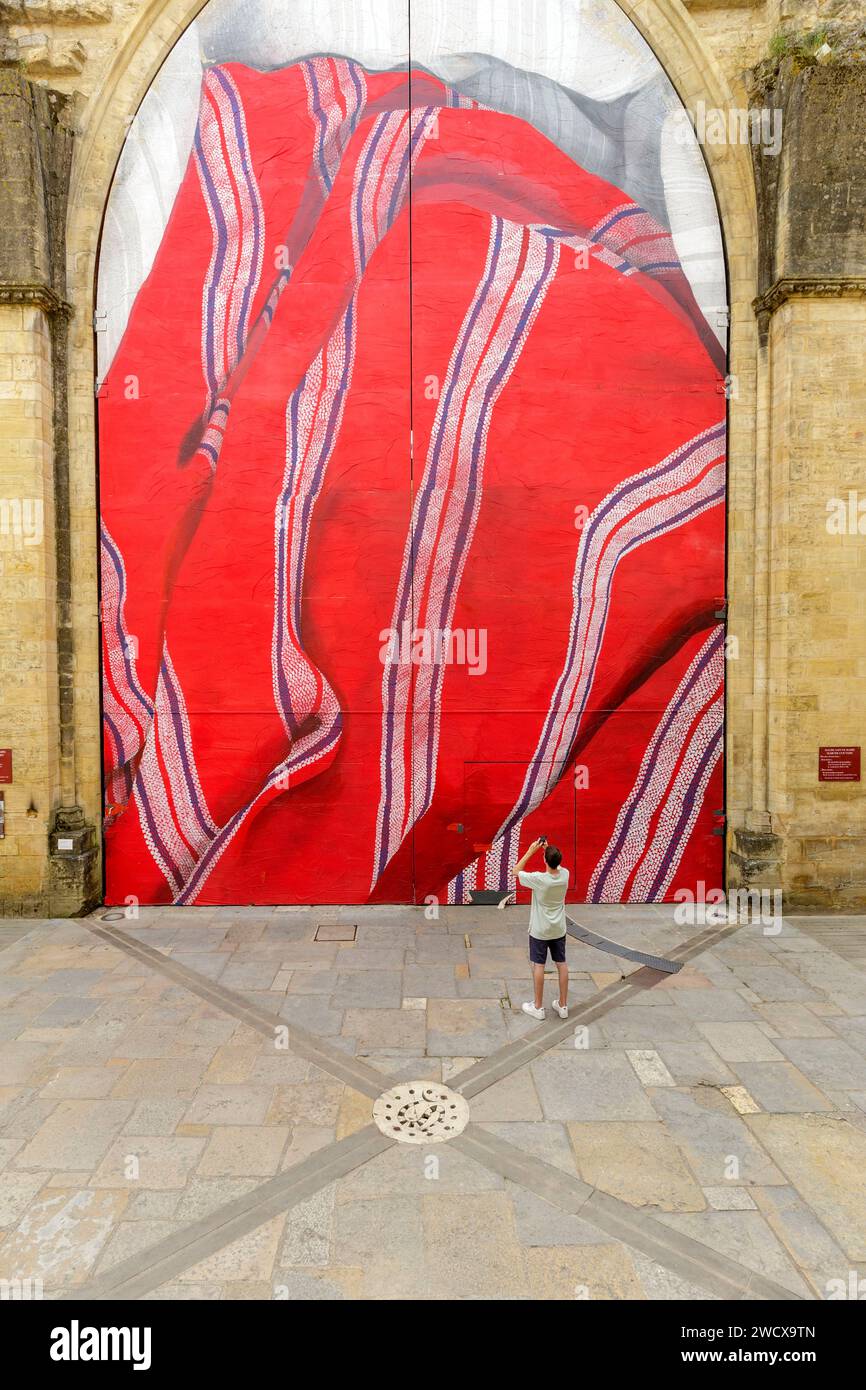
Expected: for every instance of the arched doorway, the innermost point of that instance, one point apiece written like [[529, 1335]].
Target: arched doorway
[[412, 453]]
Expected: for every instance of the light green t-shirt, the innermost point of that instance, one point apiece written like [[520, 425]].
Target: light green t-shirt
[[547, 915]]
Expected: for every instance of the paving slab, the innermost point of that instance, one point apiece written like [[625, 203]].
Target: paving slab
[[384, 1237], [593, 1272], [368, 989], [512, 1098], [637, 1161], [350, 958], [66, 1011], [152, 1205], [746, 1237], [145, 1161], [164, 1077], [404, 1170], [586, 1085], [775, 984], [827, 1062], [730, 1198], [852, 1031], [308, 1230], [461, 1027], [545, 1140], [780, 1087], [794, 1020], [132, 1238], [633, 1025], [17, 1191], [310, 1013], [60, 1236], [303, 1103], [471, 1247], [252, 1257], [469, 987], [710, 1134], [155, 1117], [75, 1135], [79, 1083], [659, 1283], [25, 1061], [539, 1223], [740, 1042], [252, 974], [376, 1030], [824, 1158], [695, 1064], [433, 982], [203, 1196], [244, 1151], [714, 1006], [648, 1067], [801, 1233]]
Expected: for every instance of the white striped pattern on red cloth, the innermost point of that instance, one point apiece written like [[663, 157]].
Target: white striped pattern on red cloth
[[519, 268]]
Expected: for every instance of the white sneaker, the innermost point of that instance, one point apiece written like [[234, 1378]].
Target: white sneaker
[[533, 1012], [561, 1009]]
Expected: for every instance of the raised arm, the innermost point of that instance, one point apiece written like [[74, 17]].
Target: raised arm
[[536, 845]]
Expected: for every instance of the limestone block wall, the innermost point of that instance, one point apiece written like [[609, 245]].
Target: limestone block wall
[[28, 625], [818, 588]]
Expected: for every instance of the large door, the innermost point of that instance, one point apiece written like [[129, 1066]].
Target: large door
[[411, 472]]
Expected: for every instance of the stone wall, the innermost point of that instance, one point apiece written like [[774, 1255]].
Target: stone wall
[[796, 421], [48, 857], [811, 310]]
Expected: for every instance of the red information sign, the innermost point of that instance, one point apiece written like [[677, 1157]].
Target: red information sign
[[838, 764], [5, 764]]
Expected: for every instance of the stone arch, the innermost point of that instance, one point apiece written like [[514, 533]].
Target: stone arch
[[693, 71]]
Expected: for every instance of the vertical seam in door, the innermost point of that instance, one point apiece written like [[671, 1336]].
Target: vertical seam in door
[[411, 711]]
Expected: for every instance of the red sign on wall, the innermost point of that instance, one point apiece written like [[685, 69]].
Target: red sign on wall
[[838, 764], [5, 764]]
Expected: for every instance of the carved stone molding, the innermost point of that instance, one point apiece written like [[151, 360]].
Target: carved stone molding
[[39, 296], [42, 55], [55, 11], [808, 287]]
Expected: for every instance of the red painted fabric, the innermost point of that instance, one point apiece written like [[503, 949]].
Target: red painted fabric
[[407, 381]]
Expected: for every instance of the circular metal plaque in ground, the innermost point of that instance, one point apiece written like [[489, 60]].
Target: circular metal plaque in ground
[[421, 1112]]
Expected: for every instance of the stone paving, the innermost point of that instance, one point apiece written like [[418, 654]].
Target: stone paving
[[186, 1097]]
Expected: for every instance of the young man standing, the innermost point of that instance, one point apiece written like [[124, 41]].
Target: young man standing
[[546, 924]]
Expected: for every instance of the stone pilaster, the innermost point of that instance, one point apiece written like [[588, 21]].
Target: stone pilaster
[[809, 685], [49, 858]]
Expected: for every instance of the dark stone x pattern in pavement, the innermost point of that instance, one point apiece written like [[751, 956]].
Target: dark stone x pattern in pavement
[[690, 1259]]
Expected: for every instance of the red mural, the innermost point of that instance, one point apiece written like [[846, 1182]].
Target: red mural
[[412, 491]]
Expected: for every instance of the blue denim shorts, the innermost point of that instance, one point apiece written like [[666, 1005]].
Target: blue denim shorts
[[538, 950]]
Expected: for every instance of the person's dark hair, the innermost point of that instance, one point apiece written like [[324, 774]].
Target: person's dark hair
[[553, 856]]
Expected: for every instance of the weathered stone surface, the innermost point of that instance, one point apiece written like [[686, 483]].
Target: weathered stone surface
[[597, 1272], [709, 1132], [60, 1237], [744, 1236], [825, 1160], [244, 1150], [75, 1135], [580, 1085], [471, 1247], [779, 1087], [385, 1238], [637, 1162]]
